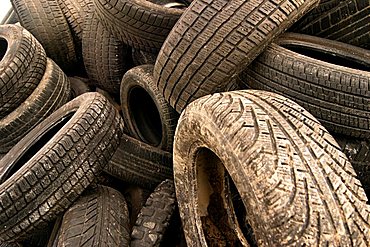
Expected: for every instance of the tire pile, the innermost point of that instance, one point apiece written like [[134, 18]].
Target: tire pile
[[189, 123]]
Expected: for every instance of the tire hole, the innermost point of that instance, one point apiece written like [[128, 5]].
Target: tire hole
[[3, 48], [144, 116], [37, 144], [327, 56]]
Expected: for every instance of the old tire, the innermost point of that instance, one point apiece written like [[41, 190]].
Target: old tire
[[104, 56], [99, 217], [148, 117], [328, 78], [45, 20], [347, 21], [46, 171], [154, 218], [22, 65], [140, 57], [78, 86], [213, 41], [139, 163], [139, 23], [52, 92], [296, 186]]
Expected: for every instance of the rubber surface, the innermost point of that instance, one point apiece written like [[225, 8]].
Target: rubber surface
[[46, 171], [297, 187], [213, 41]]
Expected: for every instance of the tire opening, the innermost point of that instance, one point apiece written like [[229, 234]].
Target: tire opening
[[36, 146], [3, 48], [171, 3], [144, 116], [220, 206], [327, 56]]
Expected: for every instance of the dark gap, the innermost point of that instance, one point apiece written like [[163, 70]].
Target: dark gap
[[3, 48]]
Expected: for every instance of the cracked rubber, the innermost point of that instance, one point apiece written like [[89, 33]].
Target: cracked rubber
[[104, 56], [22, 65], [52, 92], [46, 171], [154, 218], [139, 163], [141, 24], [213, 41], [99, 217], [148, 117], [45, 20], [330, 79], [347, 21], [297, 187]]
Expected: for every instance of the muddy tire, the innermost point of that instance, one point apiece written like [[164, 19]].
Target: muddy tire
[[296, 186], [154, 218], [347, 21], [46, 171], [139, 163], [147, 115], [139, 23], [52, 92], [104, 56], [330, 79], [99, 217], [45, 20], [22, 65], [213, 41]]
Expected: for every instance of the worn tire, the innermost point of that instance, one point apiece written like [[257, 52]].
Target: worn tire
[[52, 92], [46, 171], [139, 163], [154, 218], [140, 57], [104, 56], [297, 187], [22, 65], [330, 79], [148, 117], [78, 86], [99, 217], [139, 23], [45, 20], [213, 41], [347, 21]]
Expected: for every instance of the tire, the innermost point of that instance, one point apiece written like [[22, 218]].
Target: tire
[[22, 65], [138, 163], [104, 56], [10, 17], [78, 86], [147, 115], [213, 41], [314, 72], [45, 20], [139, 23], [154, 218], [358, 153], [140, 57], [348, 21], [296, 186], [46, 171], [52, 92], [99, 218]]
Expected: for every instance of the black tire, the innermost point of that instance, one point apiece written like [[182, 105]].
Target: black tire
[[78, 86], [52, 92], [104, 56], [45, 20], [347, 21], [46, 171], [154, 218], [22, 65], [314, 72], [358, 153], [213, 41], [100, 217], [147, 115], [296, 186], [139, 23], [138, 163], [140, 57]]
